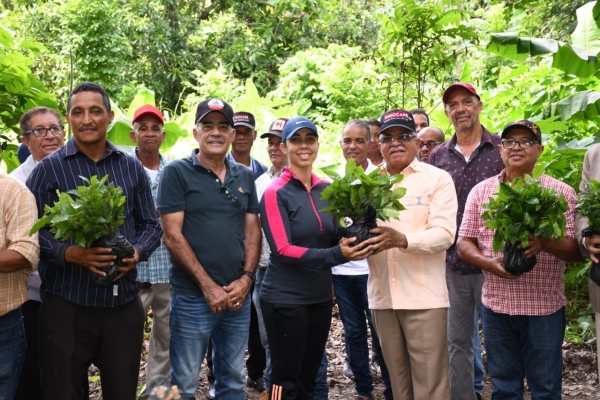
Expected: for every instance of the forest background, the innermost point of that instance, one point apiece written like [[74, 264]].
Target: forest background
[[329, 60]]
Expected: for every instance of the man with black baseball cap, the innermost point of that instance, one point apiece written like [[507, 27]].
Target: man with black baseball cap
[[470, 156], [523, 316], [407, 291], [245, 134], [209, 209]]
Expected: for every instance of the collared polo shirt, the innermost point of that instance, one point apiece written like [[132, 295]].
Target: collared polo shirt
[[214, 223], [484, 162]]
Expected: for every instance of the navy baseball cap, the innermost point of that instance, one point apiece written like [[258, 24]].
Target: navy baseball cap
[[294, 125], [523, 124]]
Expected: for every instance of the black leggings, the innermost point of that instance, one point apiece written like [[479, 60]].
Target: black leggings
[[297, 337]]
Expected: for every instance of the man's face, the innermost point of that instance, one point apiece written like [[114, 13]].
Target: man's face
[[89, 118], [278, 159], [420, 122], [244, 139], [463, 109], [520, 158], [354, 144], [214, 134], [148, 133], [40, 146], [400, 152], [430, 139]]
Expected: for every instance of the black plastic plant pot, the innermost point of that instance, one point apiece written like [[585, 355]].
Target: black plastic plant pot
[[515, 262], [121, 248], [360, 230]]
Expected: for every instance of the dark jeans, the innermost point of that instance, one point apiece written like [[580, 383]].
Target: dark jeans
[[256, 364], [297, 338], [353, 303], [520, 346], [71, 337], [29, 384], [12, 352]]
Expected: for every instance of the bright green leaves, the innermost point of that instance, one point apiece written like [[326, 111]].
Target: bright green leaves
[[93, 211], [589, 204], [349, 196], [525, 207]]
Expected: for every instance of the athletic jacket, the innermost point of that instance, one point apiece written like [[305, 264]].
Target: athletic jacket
[[303, 240]]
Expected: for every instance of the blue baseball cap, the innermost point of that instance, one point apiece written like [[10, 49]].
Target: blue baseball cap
[[294, 125]]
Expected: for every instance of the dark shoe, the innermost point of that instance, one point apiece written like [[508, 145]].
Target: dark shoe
[[369, 397], [211, 391], [375, 365], [478, 395], [258, 384], [346, 370]]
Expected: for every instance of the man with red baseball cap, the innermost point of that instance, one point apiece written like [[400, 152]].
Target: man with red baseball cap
[[148, 133], [470, 156]]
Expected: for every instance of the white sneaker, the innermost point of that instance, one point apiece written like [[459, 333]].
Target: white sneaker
[[211, 391]]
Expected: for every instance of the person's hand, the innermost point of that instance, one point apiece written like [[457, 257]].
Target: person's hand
[[590, 244], [92, 258], [354, 253], [216, 297], [536, 245], [237, 292], [495, 267], [127, 264], [387, 238]]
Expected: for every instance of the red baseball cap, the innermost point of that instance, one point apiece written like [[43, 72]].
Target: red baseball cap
[[459, 85], [147, 109]]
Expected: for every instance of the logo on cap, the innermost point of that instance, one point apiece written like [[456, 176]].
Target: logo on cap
[[396, 115], [240, 117], [278, 125], [215, 104]]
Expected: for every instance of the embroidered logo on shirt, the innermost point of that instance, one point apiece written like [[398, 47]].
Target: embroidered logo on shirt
[[241, 190]]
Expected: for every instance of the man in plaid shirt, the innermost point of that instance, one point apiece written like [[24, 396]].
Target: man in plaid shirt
[[524, 316]]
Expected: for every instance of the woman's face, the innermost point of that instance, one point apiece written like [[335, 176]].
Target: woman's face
[[301, 148]]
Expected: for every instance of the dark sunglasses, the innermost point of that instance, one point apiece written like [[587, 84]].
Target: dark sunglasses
[[226, 192]]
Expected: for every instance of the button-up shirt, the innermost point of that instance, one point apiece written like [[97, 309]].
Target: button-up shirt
[[156, 269], [62, 171], [18, 214], [483, 163], [539, 292], [414, 278]]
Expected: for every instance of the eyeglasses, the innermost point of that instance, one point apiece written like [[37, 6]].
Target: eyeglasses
[[42, 132], [430, 145], [402, 138], [224, 190], [523, 143]]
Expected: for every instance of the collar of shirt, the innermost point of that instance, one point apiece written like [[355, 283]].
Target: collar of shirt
[[71, 149]]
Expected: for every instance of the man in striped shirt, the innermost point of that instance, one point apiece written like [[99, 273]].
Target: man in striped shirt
[[523, 316], [79, 322]]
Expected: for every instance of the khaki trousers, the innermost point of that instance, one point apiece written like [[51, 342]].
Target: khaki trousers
[[415, 348]]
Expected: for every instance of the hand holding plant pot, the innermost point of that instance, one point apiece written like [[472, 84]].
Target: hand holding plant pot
[[91, 220], [589, 206], [363, 198], [523, 209]]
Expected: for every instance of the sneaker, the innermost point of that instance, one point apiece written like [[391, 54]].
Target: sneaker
[[264, 395], [375, 364], [258, 384], [347, 370], [211, 391]]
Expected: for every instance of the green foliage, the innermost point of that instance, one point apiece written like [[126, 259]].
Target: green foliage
[[523, 207], [349, 196], [589, 204], [96, 211]]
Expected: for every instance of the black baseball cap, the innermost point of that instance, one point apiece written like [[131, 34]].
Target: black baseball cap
[[393, 118], [523, 124], [275, 128], [214, 105], [243, 118]]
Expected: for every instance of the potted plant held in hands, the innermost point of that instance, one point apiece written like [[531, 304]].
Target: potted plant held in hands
[[91, 219], [521, 208], [589, 206], [363, 198]]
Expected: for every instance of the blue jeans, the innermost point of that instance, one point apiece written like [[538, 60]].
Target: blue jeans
[[192, 326], [321, 384], [521, 346], [478, 371], [353, 303], [12, 347], [260, 275]]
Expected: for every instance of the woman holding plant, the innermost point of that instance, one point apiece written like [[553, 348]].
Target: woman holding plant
[[523, 316], [296, 296]]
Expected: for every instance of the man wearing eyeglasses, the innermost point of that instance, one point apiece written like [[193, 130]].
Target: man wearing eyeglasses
[[407, 291], [42, 132], [470, 156], [523, 316], [430, 137], [209, 209]]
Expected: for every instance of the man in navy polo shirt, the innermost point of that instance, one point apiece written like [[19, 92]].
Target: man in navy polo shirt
[[209, 210]]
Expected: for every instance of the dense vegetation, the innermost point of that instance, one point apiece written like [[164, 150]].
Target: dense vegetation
[[326, 59]]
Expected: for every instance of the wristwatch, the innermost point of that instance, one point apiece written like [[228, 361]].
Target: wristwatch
[[249, 274]]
